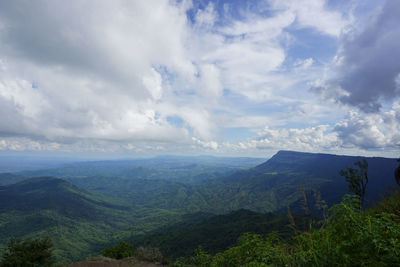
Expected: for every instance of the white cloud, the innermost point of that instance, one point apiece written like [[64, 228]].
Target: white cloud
[[251, 53], [206, 144], [307, 139], [21, 144], [153, 83], [311, 139], [358, 133], [253, 25], [69, 73], [206, 17], [371, 131], [199, 120], [313, 14], [3, 144], [210, 85], [129, 147], [303, 64], [249, 122], [109, 76]]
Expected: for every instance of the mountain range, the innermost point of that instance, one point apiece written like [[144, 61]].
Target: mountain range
[[85, 207]]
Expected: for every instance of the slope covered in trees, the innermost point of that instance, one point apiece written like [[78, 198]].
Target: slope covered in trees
[[348, 237], [215, 233], [274, 185], [219, 187], [85, 212], [79, 222]]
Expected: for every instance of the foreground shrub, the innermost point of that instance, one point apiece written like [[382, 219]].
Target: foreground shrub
[[27, 253], [350, 237], [253, 250], [119, 251], [389, 204]]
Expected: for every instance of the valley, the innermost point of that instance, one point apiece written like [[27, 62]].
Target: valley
[[173, 203]]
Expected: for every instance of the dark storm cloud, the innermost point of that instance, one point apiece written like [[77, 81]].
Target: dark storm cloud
[[369, 62]]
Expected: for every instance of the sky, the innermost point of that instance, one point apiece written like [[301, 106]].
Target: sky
[[225, 78]]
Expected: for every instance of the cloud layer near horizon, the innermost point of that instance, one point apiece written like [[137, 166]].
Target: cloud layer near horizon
[[179, 77]]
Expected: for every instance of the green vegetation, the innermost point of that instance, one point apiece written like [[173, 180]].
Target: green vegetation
[[124, 250], [169, 203], [28, 253], [357, 179], [350, 237], [181, 185], [119, 251], [216, 233], [80, 223], [270, 187], [389, 204], [9, 178], [171, 168]]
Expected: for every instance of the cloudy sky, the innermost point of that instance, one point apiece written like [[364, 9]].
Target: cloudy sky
[[223, 77]]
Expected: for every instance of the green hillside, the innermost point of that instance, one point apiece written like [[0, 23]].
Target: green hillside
[[79, 222], [213, 186], [10, 178], [268, 187], [214, 234], [349, 236], [171, 168], [86, 213], [274, 185]]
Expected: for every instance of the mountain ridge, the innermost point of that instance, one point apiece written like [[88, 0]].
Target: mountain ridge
[[78, 221], [287, 169], [80, 211]]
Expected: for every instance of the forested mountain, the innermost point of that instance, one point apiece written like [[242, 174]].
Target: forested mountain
[[9, 178], [276, 183], [270, 186], [380, 170], [53, 193], [77, 221], [177, 184], [171, 168], [87, 210], [215, 233]]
